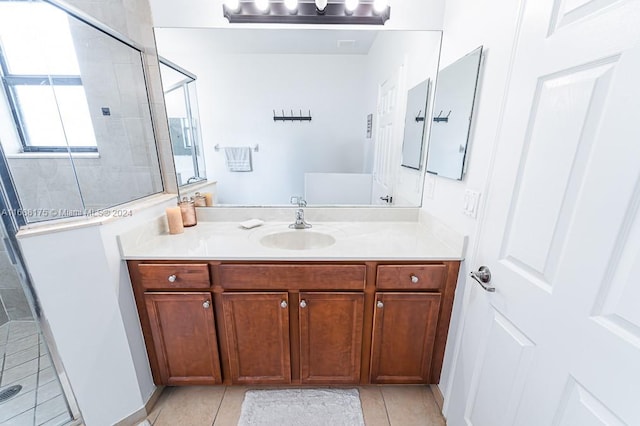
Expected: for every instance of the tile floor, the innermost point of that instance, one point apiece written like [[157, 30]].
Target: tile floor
[[24, 360], [220, 406]]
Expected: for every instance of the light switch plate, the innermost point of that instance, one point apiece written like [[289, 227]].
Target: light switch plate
[[471, 202]]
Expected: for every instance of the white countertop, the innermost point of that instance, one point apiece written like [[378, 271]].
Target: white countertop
[[354, 241]]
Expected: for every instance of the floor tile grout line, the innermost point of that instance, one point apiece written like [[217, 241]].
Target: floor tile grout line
[[22, 363], [21, 350], [224, 393], [4, 355], [162, 407], [386, 410], [21, 412], [47, 400], [35, 409]]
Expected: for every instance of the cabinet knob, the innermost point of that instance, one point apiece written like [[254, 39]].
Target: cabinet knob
[[172, 278], [380, 304], [303, 303], [414, 279], [283, 304], [206, 304]]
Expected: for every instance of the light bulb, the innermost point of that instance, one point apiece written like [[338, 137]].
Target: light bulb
[[232, 5], [291, 5], [321, 5], [262, 5], [379, 6], [350, 5]]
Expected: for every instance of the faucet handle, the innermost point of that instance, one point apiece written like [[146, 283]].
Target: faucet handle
[[297, 199]]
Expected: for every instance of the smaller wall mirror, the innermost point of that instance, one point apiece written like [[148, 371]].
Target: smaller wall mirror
[[182, 112], [414, 125], [453, 108]]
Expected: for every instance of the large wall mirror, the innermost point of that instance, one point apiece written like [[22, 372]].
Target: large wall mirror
[[452, 114], [312, 113]]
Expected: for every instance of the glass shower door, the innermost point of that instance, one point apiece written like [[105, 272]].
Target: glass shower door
[[30, 389]]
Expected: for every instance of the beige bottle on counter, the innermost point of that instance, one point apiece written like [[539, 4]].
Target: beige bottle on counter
[[200, 200], [188, 210]]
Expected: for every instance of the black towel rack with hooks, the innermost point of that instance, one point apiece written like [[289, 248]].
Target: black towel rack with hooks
[[291, 117], [441, 119]]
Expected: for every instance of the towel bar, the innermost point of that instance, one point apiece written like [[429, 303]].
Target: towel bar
[[217, 147]]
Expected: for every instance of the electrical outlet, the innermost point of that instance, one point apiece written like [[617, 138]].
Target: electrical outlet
[[471, 202]]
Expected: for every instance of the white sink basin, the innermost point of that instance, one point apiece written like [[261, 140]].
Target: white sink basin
[[297, 239]]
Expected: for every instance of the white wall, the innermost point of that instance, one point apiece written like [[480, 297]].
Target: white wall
[[418, 52], [85, 293], [467, 25], [405, 14], [238, 94]]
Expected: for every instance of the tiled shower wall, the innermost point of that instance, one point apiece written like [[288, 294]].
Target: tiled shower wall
[[13, 303], [127, 167]]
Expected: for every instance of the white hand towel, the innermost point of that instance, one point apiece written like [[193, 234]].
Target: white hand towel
[[238, 159]]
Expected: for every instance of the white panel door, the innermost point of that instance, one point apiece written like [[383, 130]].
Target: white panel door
[[389, 128], [558, 343]]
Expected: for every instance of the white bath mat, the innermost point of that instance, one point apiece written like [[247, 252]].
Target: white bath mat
[[301, 407]]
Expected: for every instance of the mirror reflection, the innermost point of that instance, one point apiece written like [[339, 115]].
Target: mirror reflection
[[452, 113], [181, 104], [312, 113], [415, 125]]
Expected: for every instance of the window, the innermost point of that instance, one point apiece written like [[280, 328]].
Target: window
[[42, 80]]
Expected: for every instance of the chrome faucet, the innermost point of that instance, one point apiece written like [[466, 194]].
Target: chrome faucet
[[296, 199], [300, 222]]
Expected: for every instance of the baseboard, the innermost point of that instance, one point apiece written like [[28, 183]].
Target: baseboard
[[153, 399], [437, 395], [140, 415]]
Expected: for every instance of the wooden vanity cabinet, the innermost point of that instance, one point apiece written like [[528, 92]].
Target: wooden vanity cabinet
[[294, 323], [176, 310], [331, 327], [257, 333], [317, 339], [184, 337], [411, 320], [404, 331]]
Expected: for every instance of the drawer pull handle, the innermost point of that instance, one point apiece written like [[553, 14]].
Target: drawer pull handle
[[283, 304], [206, 304], [303, 303], [172, 278], [414, 279], [380, 304]]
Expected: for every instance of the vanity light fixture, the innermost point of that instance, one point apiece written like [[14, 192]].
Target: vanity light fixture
[[233, 5], [347, 12], [291, 5], [350, 6], [321, 5], [262, 5], [380, 6]]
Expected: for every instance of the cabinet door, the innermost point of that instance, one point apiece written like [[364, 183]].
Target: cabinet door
[[330, 337], [257, 332], [184, 337], [404, 330]]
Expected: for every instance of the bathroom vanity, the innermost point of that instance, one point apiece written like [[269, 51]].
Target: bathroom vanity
[[218, 307]]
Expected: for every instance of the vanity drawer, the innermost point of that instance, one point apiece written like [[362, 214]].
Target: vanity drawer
[[178, 275], [411, 277], [292, 277]]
